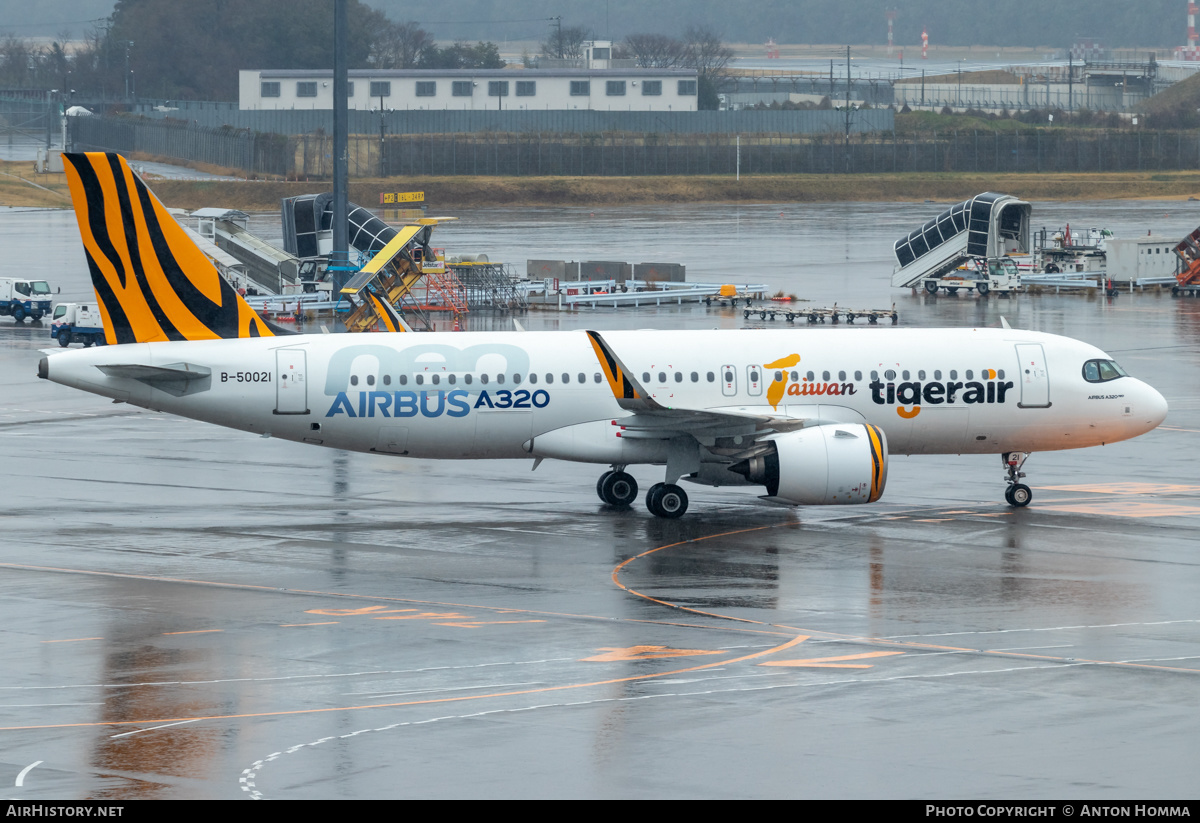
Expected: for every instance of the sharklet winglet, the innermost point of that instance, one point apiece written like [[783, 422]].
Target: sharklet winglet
[[628, 392]]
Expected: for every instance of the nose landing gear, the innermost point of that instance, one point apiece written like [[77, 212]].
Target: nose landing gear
[[1017, 494]]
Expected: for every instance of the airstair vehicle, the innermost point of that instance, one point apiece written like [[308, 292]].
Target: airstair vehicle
[[1187, 279], [986, 227], [268, 269]]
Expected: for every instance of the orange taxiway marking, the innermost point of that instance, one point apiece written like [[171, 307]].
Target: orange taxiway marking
[[831, 662], [645, 653]]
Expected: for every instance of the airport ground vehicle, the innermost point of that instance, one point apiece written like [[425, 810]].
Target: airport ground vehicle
[[77, 323], [24, 298], [813, 420]]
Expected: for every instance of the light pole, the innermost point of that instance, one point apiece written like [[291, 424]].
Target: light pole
[[382, 114]]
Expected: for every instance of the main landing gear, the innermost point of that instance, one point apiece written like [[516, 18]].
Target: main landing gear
[[618, 488], [1017, 494]]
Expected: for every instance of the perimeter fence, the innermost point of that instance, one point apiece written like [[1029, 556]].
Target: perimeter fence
[[526, 153]]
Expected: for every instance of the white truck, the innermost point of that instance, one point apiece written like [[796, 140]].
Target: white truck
[[24, 298], [77, 323]]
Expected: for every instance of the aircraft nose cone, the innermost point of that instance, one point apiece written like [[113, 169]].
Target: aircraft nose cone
[[1156, 408]]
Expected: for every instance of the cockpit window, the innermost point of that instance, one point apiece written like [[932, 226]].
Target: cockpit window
[[1101, 371]]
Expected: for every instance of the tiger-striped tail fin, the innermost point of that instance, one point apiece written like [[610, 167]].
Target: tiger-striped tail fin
[[151, 281]]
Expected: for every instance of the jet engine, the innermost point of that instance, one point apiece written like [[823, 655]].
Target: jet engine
[[834, 464]]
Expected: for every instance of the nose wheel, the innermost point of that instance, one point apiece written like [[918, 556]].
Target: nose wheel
[[1017, 494]]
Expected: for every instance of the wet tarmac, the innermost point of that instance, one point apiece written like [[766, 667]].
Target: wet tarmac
[[189, 612]]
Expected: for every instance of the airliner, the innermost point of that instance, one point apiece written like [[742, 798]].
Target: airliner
[[810, 416]]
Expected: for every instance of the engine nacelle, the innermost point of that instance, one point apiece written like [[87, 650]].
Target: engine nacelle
[[835, 464]]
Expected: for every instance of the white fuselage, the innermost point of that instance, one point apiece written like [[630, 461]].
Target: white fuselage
[[506, 395]]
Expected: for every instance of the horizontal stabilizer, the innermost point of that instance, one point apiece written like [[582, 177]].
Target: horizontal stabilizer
[[176, 379]]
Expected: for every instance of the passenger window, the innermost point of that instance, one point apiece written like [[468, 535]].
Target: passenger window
[[420, 379], [597, 377], [810, 376], [387, 380], [370, 380], [905, 374], [937, 374], [778, 377], [437, 378], [858, 375], [712, 378], [678, 377], [516, 379], [662, 377], [825, 376], [567, 378], [467, 379], [452, 378], [500, 378], [483, 378], [728, 377], [403, 379], [532, 377], [354, 380], [549, 377], [890, 374], [754, 376], [921, 374], [695, 377], [970, 374], [796, 377], [645, 377], [841, 375]]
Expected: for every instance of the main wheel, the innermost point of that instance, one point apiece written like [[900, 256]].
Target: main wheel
[[1019, 495], [618, 488], [600, 485], [64, 338], [666, 500]]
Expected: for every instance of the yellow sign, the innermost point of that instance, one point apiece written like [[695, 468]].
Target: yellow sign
[[401, 197]]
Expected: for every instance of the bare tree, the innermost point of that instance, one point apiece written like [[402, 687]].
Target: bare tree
[[706, 52], [564, 43], [399, 45], [655, 51]]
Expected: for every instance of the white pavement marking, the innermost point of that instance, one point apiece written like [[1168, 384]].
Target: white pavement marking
[[27, 770], [154, 728]]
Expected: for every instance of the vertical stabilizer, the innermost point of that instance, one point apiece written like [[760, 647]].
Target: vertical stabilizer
[[151, 281]]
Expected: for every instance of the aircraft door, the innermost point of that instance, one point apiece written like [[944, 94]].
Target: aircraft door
[[754, 380], [728, 381], [1035, 380], [291, 388]]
